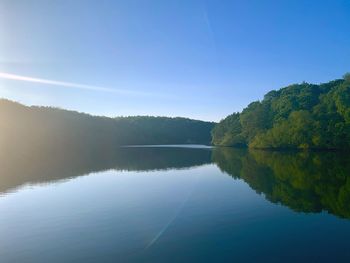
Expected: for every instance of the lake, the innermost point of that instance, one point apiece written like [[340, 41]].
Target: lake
[[174, 204]]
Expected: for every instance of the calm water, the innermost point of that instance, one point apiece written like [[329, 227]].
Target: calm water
[[171, 204]]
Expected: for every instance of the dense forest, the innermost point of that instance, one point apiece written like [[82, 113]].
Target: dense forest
[[298, 116], [45, 127]]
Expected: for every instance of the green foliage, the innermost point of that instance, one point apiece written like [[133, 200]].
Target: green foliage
[[347, 76], [298, 116], [296, 131], [228, 132], [255, 119]]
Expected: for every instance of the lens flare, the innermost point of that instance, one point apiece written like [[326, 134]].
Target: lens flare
[[9, 76]]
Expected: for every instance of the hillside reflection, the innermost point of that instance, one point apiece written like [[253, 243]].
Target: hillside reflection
[[302, 181], [19, 167]]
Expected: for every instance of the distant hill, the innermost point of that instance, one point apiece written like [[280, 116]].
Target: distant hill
[[48, 128], [298, 116]]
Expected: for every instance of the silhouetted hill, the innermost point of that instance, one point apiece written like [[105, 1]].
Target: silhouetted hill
[[45, 127]]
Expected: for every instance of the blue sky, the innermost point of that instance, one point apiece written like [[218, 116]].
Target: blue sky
[[197, 59]]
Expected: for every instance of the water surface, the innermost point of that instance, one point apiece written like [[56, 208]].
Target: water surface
[[174, 204]]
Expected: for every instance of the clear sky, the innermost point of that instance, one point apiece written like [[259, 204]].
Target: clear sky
[[198, 59]]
